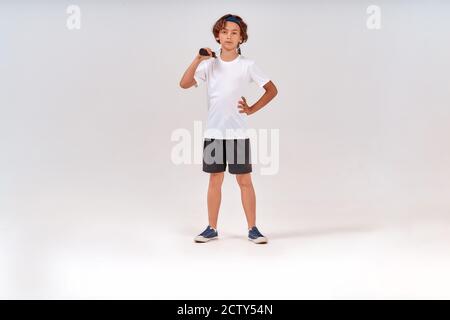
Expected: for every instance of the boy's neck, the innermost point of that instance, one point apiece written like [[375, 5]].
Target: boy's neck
[[228, 55]]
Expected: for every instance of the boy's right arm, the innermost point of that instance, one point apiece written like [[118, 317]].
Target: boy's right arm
[[188, 80]]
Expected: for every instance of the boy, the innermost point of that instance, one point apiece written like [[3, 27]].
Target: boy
[[225, 139]]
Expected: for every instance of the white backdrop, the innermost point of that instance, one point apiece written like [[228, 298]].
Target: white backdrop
[[91, 204]]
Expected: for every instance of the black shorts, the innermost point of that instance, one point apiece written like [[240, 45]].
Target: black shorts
[[218, 152]]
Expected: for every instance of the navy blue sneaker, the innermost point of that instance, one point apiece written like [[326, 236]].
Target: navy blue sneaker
[[256, 236], [209, 234]]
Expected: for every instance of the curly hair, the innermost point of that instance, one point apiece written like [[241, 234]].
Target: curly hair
[[220, 24]]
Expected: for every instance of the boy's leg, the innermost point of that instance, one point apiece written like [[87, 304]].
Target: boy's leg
[[214, 163], [214, 197], [238, 154], [248, 197]]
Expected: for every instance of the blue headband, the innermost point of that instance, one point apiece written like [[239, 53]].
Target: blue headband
[[232, 19]]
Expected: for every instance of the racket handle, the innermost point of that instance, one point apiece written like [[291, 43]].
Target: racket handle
[[204, 52]]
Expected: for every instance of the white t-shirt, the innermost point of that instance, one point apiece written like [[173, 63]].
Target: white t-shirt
[[226, 81]]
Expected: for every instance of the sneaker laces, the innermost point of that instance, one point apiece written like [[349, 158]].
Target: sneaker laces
[[207, 230], [256, 232]]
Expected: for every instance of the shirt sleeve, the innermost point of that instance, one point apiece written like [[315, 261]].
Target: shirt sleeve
[[200, 73], [257, 75]]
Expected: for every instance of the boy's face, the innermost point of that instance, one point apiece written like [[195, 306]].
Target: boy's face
[[230, 35]]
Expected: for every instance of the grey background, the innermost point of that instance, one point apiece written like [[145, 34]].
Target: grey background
[[88, 191]]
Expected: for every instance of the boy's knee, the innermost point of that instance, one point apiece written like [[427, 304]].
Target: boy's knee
[[216, 179], [244, 180]]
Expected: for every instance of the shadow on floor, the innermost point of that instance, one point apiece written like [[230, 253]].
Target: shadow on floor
[[322, 231], [299, 233]]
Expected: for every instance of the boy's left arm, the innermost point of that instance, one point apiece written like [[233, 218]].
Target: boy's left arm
[[271, 92]]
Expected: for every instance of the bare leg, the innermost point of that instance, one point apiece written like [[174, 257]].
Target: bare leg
[[248, 197], [214, 197]]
